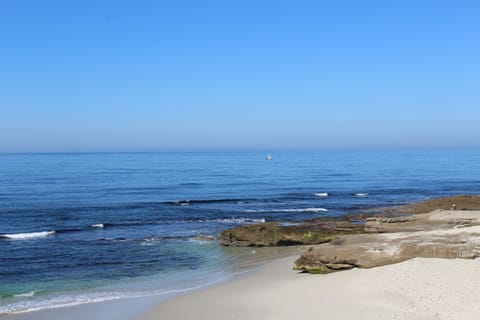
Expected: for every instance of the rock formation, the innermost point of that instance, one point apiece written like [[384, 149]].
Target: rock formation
[[436, 228], [439, 234], [323, 230], [459, 203], [287, 234]]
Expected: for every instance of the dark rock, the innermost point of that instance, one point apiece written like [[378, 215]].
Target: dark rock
[[278, 234]]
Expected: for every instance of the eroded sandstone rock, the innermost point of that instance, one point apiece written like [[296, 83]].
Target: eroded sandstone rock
[[444, 240]]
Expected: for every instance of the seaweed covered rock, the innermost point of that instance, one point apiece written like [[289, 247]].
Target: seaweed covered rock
[[287, 234]]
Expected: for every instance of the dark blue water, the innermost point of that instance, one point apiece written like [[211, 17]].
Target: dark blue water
[[76, 228]]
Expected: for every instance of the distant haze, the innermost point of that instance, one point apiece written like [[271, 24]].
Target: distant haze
[[238, 75]]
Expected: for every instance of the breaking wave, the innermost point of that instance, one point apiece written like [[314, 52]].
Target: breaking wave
[[67, 300], [288, 210], [28, 235], [322, 194], [206, 201], [361, 194], [27, 294], [238, 220], [42, 234]]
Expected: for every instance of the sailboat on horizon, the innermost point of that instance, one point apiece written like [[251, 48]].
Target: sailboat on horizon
[[269, 157]]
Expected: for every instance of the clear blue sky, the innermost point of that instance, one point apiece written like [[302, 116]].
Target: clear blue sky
[[227, 75]]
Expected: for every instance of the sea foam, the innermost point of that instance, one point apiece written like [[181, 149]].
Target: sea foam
[[361, 194], [37, 304], [322, 194], [24, 236], [240, 220], [27, 294], [288, 210]]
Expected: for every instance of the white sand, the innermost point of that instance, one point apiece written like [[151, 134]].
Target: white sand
[[417, 289]]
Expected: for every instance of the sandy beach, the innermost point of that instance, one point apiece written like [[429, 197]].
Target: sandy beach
[[420, 289], [415, 289]]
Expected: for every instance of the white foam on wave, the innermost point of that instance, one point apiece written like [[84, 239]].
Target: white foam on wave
[[37, 304], [227, 220], [27, 294], [116, 239], [97, 225], [30, 235], [151, 241], [240, 220], [305, 210], [322, 194], [290, 210], [361, 194]]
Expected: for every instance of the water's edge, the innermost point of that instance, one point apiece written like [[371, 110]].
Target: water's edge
[[251, 260]]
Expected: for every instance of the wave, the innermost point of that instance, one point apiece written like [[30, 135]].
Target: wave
[[42, 234], [122, 239], [206, 201], [149, 239], [322, 194], [228, 220], [27, 294], [238, 220], [36, 304], [29, 235], [189, 237], [289, 210], [360, 194]]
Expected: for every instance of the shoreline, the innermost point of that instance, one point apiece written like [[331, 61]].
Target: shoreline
[[258, 275], [130, 308], [421, 288]]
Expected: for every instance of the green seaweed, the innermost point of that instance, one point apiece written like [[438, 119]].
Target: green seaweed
[[313, 269], [313, 237]]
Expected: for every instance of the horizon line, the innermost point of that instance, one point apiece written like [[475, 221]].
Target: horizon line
[[266, 150]]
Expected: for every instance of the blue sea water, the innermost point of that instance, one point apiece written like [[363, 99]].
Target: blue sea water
[[77, 228]]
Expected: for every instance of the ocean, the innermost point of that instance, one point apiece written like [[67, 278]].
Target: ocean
[[86, 227]]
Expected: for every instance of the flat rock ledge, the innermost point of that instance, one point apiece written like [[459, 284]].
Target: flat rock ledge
[[288, 234], [322, 230], [439, 234]]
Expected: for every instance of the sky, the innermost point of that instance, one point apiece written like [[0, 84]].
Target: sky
[[178, 75]]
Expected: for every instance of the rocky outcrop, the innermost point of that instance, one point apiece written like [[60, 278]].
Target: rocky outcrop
[[287, 234], [437, 219], [440, 234], [450, 229], [440, 213], [459, 203], [321, 230]]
